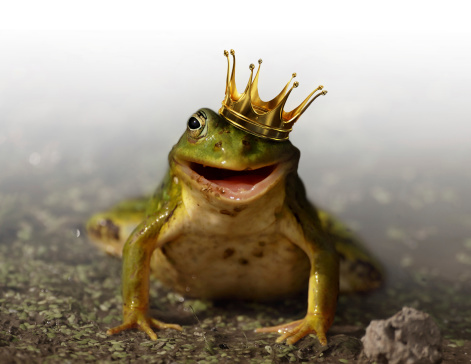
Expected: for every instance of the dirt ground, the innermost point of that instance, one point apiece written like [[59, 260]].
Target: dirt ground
[[58, 294], [57, 303]]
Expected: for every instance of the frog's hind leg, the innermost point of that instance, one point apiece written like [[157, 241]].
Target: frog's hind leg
[[110, 229], [359, 271]]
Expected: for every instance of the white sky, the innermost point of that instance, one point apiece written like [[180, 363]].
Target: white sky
[[402, 16]]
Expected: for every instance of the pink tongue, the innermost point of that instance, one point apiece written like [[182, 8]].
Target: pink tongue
[[238, 183]]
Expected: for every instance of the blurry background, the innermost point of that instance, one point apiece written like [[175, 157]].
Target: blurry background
[[108, 86], [93, 96]]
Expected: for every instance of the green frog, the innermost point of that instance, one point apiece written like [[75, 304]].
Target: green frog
[[231, 220]]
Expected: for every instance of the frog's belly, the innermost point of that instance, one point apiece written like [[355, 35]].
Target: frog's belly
[[255, 268]]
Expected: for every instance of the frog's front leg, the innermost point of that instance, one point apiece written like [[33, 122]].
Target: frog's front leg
[[137, 253], [322, 300]]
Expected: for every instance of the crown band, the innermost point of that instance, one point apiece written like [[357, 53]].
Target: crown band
[[251, 127], [266, 119]]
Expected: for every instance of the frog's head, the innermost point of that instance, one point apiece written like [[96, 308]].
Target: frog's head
[[218, 158]]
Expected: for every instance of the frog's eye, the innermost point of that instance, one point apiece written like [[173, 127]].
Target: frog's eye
[[197, 125]]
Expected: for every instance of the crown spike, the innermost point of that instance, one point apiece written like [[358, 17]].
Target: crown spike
[[247, 88], [285, 97], [267, 105], [309, 104], [234, 94], [248, 112], [272, 103], [244, 103], [226, 54], [278, 110], [258, 103], [294, 114]]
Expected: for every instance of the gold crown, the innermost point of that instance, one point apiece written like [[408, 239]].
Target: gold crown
[[266, 119]]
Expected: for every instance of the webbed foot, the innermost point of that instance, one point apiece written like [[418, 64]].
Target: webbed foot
[[142, 321], [296, 330]]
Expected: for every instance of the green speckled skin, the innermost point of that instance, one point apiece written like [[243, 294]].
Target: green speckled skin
[[238, 150], [205, 241]]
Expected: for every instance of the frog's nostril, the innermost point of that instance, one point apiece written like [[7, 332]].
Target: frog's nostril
[[246, 143], [218, 146]]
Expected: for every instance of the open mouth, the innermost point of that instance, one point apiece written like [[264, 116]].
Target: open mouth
[[235, 181]]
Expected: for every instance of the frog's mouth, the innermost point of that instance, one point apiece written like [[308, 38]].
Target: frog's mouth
[[236, 181], [234, 184]]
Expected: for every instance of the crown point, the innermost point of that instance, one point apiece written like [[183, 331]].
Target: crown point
[[265, 119]]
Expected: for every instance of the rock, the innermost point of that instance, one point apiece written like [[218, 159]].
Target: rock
[[408, 337]]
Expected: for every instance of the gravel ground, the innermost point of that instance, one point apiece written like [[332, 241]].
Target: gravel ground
[[58, 294]]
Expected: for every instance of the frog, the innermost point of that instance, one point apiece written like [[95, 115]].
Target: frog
[[231, 221]]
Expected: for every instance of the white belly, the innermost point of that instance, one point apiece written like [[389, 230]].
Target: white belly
[[254, 267], [216, 249]]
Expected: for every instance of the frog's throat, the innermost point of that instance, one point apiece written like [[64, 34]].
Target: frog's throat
[[230, 185]]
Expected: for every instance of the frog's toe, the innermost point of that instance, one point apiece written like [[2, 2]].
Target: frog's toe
[[299, 332], [280, 328], [130, 325], [143, 323], [146, 327], [118, 329], [162, 325], [148, 330], [296, 330]]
